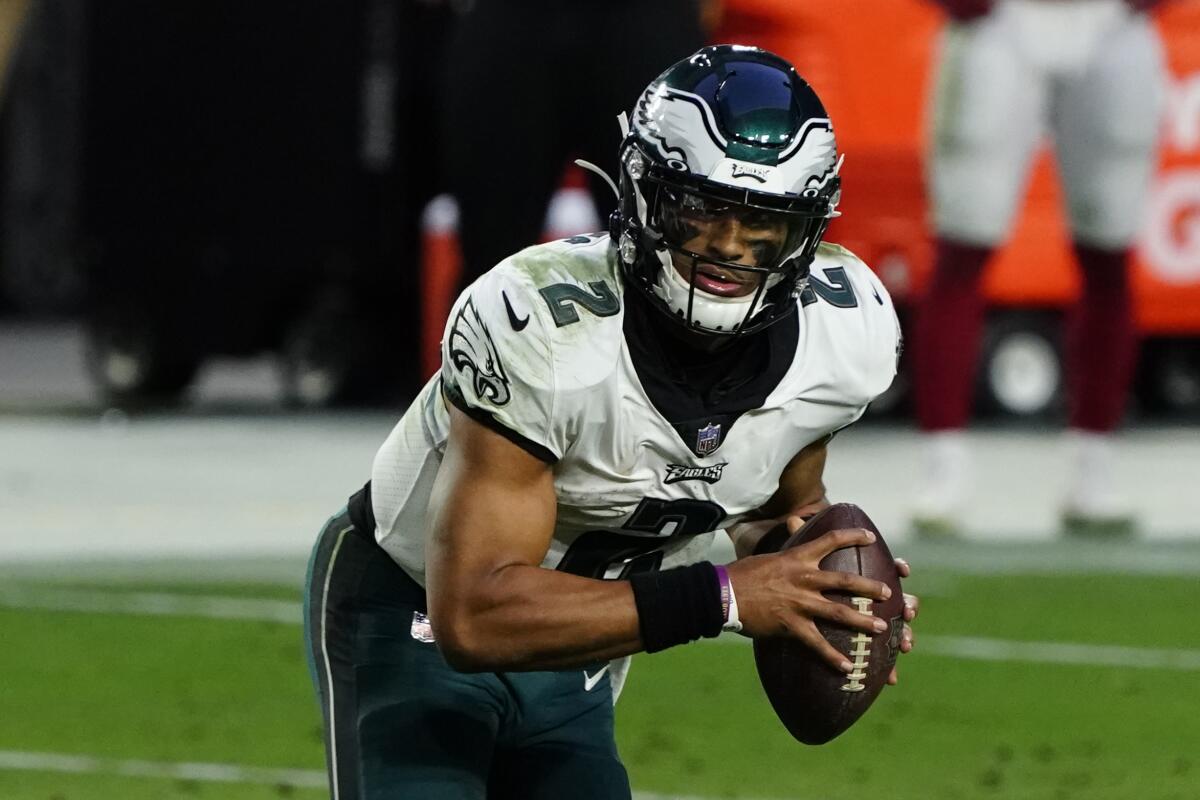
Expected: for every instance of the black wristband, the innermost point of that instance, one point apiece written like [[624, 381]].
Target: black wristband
[[678, 605]]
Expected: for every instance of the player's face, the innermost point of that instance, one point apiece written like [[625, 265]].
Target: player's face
[[733, 235]]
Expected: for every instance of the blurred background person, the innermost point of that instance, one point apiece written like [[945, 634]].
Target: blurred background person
[[1090, 74], [531, 84]]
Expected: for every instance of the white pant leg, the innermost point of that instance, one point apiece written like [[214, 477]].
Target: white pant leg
[[1106, 122], [987, 111]]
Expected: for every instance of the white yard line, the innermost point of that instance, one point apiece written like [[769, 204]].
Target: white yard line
[[187, 771], [969, 648], [980, 649], [151, 603], [1062, 557], [195, 771]]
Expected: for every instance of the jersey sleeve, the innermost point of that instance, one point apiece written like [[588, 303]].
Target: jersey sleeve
[[864, 332], [498, 365], [883, 340]]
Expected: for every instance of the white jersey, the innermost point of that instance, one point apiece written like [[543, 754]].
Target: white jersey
[[537, 348]]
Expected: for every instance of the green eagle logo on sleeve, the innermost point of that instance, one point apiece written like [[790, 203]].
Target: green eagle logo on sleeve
[[473, 354]]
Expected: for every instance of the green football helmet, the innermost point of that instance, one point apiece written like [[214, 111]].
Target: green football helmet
[[731, 135]]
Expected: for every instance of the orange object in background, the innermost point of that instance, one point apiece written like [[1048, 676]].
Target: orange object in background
[[870, 61], [1167, 283], [571, 211], [441, 267]]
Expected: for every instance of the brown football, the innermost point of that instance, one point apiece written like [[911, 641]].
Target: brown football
[[813, 700]]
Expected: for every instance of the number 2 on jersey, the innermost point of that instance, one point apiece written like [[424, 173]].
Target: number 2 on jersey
[[607, 554], [563, 297]]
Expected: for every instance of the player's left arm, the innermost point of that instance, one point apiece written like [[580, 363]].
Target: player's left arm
[[801, 493]]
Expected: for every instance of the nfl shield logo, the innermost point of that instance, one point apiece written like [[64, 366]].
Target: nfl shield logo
[[707, 439]]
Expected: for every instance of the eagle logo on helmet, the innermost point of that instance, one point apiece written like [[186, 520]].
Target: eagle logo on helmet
[[817, 149], [686, 118], [473, 351], [684, 131]]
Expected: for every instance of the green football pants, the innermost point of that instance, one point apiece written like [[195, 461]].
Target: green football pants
[[401, 723]]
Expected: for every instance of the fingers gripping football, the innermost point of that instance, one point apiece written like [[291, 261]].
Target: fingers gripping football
[[781, 594], [912, 607]]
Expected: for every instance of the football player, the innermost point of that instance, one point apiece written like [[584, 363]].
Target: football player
[[606, 403], [1089, 72]]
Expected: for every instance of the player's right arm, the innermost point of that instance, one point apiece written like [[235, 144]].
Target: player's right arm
[[493, 507], [492, 605]]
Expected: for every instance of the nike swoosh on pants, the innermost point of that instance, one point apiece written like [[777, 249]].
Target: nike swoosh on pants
[[590, 681]]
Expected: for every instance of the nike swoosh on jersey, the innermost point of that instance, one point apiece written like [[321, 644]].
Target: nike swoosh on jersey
[[590, 681], [517, 324], [875, 292]]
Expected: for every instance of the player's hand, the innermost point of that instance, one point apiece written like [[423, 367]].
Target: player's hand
[[780, 594], [966, 10], [748, 535], [912, 606]]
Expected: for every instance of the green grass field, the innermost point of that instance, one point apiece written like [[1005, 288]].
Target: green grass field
[[99, 705]]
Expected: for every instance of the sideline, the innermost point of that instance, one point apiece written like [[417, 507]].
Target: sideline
[[970, 648]]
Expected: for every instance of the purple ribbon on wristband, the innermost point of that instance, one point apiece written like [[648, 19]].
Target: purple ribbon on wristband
[[726, 590]]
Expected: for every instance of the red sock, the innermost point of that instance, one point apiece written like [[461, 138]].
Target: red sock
[[1101, 343], [946, 336]]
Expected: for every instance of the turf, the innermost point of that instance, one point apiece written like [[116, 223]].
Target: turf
[[45, 786], [952, 729], [160, 688], [692, 720]]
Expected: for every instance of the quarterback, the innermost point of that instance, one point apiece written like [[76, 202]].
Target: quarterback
[[605, 405]]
